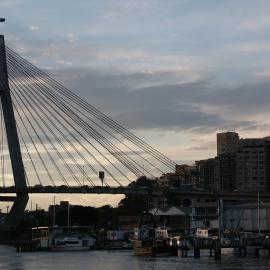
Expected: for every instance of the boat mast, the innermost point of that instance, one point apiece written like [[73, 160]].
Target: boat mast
[[53, 211], [258, 216], [68, 215]]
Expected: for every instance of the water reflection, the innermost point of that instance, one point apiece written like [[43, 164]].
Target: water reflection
[[104, 260]]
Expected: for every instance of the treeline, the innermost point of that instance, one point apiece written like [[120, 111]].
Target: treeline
[[101, 217]]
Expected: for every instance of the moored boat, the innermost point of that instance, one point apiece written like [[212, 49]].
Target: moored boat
[[69, 244], [64, 238], [152, 241]]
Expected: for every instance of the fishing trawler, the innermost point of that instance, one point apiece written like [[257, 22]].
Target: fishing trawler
[[152, 241]]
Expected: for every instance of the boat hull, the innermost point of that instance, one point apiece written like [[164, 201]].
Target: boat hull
[[147, 248]]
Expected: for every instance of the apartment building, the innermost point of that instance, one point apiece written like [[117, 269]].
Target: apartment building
[[227, 143], [240, 164], [253, 164]]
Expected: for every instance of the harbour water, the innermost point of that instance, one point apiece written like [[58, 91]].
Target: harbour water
[[118, 260]]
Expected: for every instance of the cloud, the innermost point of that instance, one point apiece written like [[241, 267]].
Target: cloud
[[33, 28], [252, 47], [263, 73], [133, 101], [71, 38], [9, 3], [63, 62], [255, 24]]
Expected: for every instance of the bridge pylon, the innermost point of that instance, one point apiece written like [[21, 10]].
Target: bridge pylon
[[20, 201]]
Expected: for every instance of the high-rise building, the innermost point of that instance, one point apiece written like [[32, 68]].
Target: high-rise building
[[241, 164], [218, 174], [253, 164], [225, 172], [227, 143], [206, 171]]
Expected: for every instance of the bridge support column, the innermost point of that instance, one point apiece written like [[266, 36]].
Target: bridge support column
[[17, 210]]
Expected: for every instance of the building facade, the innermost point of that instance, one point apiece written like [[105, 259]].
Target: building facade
[[227, 143], [225, 173], [206, 172], [240, 164], [249, 217], [253, 165], [185, 176], [204, 214]]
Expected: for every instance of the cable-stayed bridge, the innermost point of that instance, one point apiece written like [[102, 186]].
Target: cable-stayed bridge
[[51, 137]]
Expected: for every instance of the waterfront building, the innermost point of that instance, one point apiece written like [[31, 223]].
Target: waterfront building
[[231, 216], [204, 214], [174, 218], [248, 216]]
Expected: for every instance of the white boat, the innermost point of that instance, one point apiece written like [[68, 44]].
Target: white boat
[[69, 244], [64, 238]]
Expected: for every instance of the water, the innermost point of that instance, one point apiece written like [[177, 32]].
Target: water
[[118, 260]]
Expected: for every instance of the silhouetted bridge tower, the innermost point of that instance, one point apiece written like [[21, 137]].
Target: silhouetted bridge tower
[[21, 199]]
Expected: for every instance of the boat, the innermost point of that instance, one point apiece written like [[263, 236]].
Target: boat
[[152, 241], [206, 233], [118, 240], [72, 238], [69, 244]]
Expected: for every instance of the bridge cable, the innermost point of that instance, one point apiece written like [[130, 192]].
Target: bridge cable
[[118, 158], [65, 137], [50, 141], [103, 117], [38, 136], [32, 141], [67, 112], [2, 148], [56, 138], [117, 151], [58, 129], [28, 153], [68, 122]]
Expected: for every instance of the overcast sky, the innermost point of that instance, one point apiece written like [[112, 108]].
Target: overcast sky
[[174, 72]]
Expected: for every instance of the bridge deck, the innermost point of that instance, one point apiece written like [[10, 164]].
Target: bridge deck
[[157, 191]]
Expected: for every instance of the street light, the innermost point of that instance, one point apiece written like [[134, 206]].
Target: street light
[[2, 19]]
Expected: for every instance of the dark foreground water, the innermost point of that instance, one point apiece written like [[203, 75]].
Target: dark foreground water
[[114, 260]]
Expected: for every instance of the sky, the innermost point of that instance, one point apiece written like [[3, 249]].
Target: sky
[[174, 72]]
